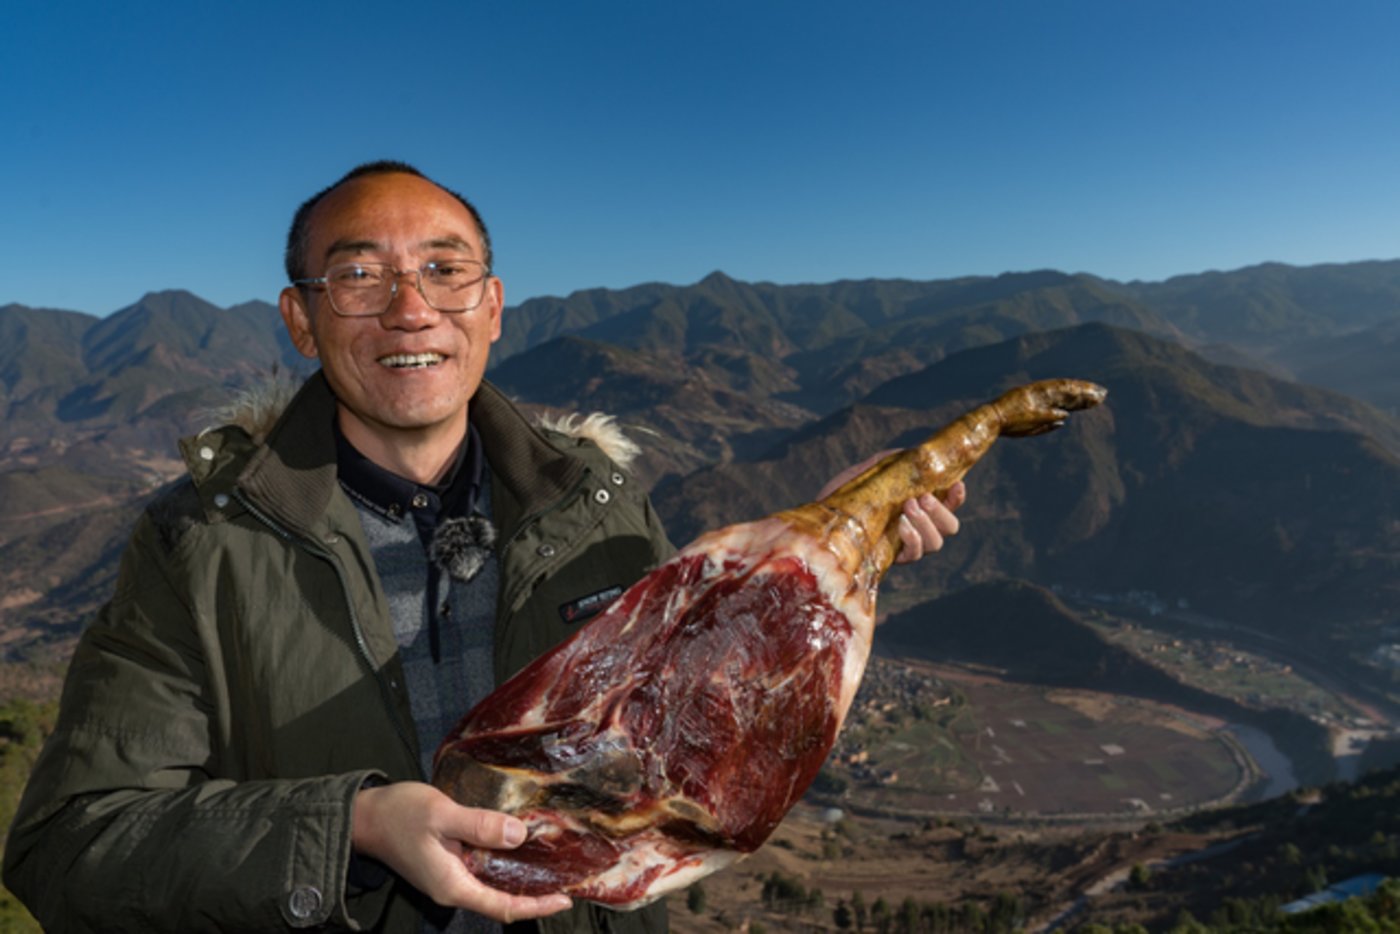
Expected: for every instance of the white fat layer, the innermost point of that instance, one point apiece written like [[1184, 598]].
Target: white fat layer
[[401, 360], [644, 853], [683, 874]]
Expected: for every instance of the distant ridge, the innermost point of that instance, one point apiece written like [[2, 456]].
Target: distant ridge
[[1259, 499]]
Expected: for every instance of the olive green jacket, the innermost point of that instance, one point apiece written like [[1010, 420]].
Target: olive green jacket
[[224, 707]]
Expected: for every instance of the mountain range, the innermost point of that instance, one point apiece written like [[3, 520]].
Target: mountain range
[[1246, 464]]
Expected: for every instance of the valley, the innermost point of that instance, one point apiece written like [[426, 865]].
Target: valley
[[956, 794]]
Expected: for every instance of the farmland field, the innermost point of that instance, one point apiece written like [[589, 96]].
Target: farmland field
[[1011, 749]]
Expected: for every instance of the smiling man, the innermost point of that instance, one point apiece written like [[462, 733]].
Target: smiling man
[[414, 311], [247, 725]]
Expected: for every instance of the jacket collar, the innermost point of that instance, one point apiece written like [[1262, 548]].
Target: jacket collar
[[532, 471], [294, 473]]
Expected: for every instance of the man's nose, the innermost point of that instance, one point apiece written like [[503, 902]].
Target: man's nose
[[407, 306]]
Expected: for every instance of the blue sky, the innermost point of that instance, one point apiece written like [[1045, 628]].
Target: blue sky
[[151, 146]]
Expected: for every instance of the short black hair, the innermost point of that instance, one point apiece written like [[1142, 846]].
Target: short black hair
[[295, 256]]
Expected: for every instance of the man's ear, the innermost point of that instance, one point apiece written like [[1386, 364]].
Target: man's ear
[[495, 302], [297, 318]]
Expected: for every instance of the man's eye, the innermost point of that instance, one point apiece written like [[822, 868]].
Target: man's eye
[[451, 270], [355, 274]]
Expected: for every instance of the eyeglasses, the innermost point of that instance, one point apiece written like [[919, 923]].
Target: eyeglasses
[[366, 290]]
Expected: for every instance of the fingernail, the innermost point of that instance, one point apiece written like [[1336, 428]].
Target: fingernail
[[514, 833]]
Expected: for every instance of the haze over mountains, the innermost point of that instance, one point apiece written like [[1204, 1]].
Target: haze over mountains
[[1246, 465]]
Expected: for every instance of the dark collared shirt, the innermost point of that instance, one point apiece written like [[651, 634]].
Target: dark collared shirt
[[394, 497]]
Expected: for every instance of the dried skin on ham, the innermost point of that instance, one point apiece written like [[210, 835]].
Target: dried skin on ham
[[672, 734]]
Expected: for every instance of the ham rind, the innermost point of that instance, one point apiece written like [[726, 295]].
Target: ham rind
[[672, 734]]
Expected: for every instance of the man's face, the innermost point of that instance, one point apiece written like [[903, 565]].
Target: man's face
[[376, 366]]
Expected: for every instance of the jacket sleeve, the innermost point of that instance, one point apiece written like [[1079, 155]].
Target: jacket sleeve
[[125, 823]]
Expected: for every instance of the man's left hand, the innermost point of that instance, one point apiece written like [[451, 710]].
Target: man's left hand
[[927, 522]]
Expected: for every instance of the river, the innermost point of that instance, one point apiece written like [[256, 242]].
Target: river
[[1277, 768]]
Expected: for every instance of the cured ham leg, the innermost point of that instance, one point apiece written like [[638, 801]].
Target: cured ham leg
[[671, 734]]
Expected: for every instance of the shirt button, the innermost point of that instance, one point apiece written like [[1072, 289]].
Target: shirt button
[[420, 500], [206, 453], [545, 551], [618, 479], [221, 500], [601, 497], [304, 902]]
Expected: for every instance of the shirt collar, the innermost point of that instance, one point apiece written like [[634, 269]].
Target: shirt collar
[[394, 496]]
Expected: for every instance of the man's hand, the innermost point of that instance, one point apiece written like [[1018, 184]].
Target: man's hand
[[927, 521], [420, 833]]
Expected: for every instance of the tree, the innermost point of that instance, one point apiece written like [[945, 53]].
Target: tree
[[909, 915], [1006, 912], [783, 893], [24, 725], [1386, 900], [880, 914], [936, 916], [1186, 923], [842, 915], [858, 909]]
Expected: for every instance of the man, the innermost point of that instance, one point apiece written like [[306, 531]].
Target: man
[[247, 726]]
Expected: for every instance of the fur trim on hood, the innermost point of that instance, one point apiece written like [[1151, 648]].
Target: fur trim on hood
[[603, 430], [256, 409]]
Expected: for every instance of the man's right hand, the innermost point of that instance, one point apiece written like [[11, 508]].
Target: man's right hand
[[421, 834]]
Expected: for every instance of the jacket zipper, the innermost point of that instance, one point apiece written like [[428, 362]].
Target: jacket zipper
[[315, 548]]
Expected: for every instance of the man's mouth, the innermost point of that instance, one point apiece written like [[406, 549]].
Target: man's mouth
[[410, 361]]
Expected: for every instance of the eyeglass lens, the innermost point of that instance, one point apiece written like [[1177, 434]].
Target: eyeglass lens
[[368, 289]]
